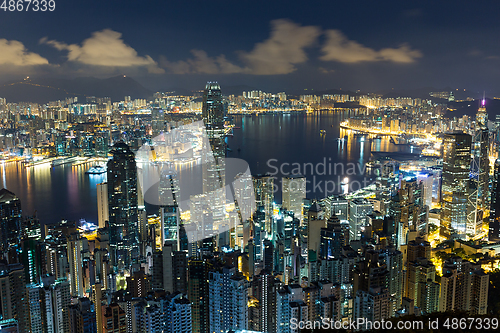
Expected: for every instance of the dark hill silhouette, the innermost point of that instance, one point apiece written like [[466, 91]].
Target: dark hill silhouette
[[42, 90]]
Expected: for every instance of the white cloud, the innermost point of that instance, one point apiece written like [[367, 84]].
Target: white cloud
[[338, 48], [282, 50], [201, 63], [277, 55], [14, 53], [105, 48]]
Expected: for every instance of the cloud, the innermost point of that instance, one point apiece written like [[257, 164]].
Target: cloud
[[282, 50], [276, 55], [14, 53], [201, 64], [105, 48], [338, 48]]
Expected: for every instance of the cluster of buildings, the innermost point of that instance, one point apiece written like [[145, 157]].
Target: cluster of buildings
[[247, 263]]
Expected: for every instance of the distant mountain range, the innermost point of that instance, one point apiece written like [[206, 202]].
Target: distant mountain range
[[42, 90]]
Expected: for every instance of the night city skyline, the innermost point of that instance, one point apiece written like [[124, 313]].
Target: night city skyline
[[249, 166]]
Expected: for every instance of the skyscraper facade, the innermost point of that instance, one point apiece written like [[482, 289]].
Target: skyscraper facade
[[214, 152], [494, 227], [479, 175], [122, 199], [10, 220], [454, 187], [294, 192]]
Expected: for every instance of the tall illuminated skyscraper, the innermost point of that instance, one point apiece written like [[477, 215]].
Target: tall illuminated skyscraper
[[169, 210], [479, 175], [264, 197], [122, 198], [494, 228], [102, 204], [214, 151], [454, 187], [10, 220], [294, 192]]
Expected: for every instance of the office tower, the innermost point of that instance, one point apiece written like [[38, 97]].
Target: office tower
[[157, 121], [410, 214], [33, 259], [214, 152], [293, 193], [479, 175], [464, 287], [333, 238], [101, 139], [14, 296], [340, 207], [123, 202], [315, 221], [494, 227], [264, 291], [264, 197], [454, 186], [102, 204], [10, 220], [228, 296], [169, 210], [359, 209], [427, 179], [198, 294], [82, 317], [113, 319]]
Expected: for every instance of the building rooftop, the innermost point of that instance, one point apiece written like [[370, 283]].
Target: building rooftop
[[6, 195]]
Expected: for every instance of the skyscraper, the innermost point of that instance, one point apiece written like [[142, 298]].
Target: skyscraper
[[13, 296], [102, 204], [479, 175], [228, 294], [214, 151], [10, 220], [198, 294], [264, 197], [122, 199], [169, 210], [454, 187], [294, 192], [157, 121], [494, 228]]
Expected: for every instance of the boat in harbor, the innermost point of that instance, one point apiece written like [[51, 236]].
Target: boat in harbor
[[64, 160], [96, 170]]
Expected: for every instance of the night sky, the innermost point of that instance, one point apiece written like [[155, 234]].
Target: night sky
[[270, 45]]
